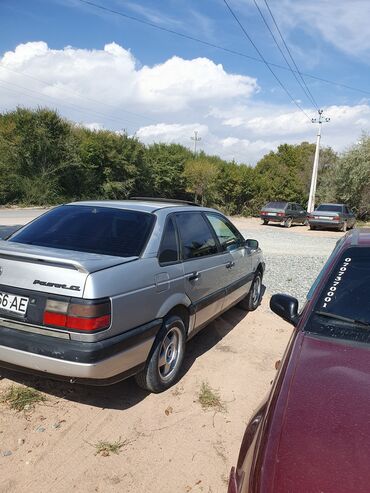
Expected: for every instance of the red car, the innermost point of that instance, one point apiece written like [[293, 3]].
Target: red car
[[312, 435]]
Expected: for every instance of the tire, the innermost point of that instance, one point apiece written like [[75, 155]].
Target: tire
[[265, 221], [288, 222], [312, 227], [168, 347], [253, 298], [344, 227]]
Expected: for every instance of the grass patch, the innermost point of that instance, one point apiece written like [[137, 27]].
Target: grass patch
[[106, 448], [22, 398], [210, 398]]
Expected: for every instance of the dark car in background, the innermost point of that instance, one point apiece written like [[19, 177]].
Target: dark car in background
[[312, 434], [332, 216], [286, 213]]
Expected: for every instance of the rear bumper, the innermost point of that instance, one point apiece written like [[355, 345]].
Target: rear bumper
[[93, 362], [325, 223], [275, 219]]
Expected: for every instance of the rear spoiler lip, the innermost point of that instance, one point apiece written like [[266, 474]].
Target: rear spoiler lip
[[91, 263], [51, 261]]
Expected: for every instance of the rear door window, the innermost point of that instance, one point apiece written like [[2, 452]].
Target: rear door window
[[103, 230], [197, 239], [169, 251]]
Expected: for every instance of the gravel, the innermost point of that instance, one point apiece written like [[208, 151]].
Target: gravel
[[293, 259]]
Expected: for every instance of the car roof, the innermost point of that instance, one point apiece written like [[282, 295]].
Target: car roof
[[140, 205], [357, 237], [330, 203]]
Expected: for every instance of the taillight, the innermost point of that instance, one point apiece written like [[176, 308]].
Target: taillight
[[335, 218], [280, 214], [83, 316], [262, 213]]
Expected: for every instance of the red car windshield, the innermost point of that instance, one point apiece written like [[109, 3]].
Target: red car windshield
[[343, 307]]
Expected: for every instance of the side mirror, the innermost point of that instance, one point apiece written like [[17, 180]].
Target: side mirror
[[252, 244], [286, 307]]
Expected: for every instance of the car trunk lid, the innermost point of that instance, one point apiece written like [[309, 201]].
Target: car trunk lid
[[51, 270]]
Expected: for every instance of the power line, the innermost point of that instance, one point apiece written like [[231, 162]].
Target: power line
[[308, 94], [219, 47], [264, 60], [290, 54]]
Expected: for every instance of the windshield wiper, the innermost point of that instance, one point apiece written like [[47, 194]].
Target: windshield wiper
[[342, 319]]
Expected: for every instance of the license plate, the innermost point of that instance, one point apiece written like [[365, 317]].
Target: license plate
[[323, 217], [13, 303], [272, 213]]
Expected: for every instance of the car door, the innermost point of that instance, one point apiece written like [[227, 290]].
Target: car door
[[240, 270], [301, 214], [205, 266]]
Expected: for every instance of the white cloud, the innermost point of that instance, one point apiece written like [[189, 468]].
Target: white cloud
[[343, 24], [108, 88], [176, 132]]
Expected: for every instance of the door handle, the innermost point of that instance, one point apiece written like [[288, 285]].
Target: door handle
[[230, 264], [194, 276]]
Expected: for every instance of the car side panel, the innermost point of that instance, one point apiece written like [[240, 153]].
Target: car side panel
[[140, 292]]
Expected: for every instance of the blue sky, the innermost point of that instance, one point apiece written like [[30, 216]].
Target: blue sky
[[174, 85]]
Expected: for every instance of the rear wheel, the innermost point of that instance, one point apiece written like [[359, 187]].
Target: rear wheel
[[288, 222], [312, 227], [164, 363], [253, 298], [265, 221]]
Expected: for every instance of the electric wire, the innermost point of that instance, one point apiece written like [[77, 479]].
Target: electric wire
[[220, 47], [264, 60], [307, 93], [289, 53]]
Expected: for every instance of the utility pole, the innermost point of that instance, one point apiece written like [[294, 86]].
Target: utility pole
[[311, 199], [196, 139]]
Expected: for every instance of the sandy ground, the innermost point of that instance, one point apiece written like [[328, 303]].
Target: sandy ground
[[170, 444]]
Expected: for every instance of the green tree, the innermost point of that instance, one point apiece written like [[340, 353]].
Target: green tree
[[165, 165], [352, 177], [200, 174], [35, 151]]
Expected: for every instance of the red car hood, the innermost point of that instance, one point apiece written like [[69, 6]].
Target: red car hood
[[324, 442]]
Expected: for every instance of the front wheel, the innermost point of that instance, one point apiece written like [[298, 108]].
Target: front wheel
[[253, 298], [164, 363]]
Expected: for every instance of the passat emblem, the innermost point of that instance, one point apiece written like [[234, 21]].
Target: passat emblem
[[56, 285]]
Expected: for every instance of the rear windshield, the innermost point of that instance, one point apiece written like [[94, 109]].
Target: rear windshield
[[276, 205], [90, 229], [329, 208], [343, 308]]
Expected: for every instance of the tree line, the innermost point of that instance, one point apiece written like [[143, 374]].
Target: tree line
[[46, 159]]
